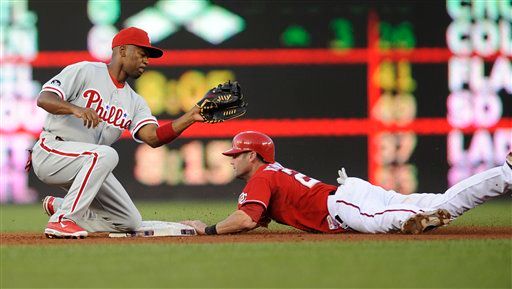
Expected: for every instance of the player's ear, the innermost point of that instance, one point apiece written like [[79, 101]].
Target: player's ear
[[253, 156], [122, 50]]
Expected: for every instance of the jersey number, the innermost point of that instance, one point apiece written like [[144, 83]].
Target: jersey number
[[303, 179]]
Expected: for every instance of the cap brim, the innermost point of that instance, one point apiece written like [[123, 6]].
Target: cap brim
[[153, 52], [234, 151]]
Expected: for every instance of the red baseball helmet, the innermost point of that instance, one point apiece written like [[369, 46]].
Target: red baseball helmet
[[253, 141]]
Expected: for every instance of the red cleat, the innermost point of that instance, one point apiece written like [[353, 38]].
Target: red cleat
[[64, 229], [48, 205]]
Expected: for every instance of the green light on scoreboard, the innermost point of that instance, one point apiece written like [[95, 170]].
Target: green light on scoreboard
[[399, 36], [343, 34], [296, 36], [102, 12]]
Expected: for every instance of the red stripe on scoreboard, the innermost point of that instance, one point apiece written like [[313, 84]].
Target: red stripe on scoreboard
[[251, 57], [324, 127], [373, 92]]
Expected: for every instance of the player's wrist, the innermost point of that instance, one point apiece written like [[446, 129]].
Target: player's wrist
[[73, 109], [211, 230], [166, 133]]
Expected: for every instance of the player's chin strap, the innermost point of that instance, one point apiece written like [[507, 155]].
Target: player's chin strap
[[343, 176]]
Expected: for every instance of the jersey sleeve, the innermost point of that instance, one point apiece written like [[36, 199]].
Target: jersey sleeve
[[69, 82], [258, 191], [253, 210], [142, 117], [257, 213]]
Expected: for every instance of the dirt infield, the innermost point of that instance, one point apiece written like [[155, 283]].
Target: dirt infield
[[448, 233]]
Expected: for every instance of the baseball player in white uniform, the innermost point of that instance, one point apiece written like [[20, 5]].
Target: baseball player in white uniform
[[90, 105]]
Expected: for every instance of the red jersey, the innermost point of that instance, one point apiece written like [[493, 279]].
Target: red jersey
[[290, 198]]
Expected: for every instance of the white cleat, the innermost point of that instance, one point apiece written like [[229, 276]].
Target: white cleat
[[427, 221]]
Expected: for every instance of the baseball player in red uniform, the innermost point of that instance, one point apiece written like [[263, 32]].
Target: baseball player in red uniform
[[90, 105], [274, 192]]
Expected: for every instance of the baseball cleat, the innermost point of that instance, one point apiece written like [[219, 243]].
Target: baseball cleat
[[48, 205], [427, 221], [64, 229]]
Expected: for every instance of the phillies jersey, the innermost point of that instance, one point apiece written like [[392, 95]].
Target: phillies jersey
[[290, 198], [89, 85]]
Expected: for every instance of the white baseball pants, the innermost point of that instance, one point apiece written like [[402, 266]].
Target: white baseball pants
[[95, 200], [370, 209]]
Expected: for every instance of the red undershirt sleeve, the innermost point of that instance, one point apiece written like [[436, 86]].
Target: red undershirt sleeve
[[254, 210]]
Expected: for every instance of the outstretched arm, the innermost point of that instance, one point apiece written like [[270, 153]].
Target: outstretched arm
[[156, 136], [238, 221]]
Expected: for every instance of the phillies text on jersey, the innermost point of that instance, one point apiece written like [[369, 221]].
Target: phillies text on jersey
[[89, 85]]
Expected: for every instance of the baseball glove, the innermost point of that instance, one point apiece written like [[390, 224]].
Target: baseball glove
[[223, 102]]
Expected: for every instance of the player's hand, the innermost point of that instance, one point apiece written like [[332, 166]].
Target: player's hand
[[89, 116], [195, 112], [196, 224], [343, 176]]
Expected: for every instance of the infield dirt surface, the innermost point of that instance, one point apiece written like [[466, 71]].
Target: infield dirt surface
[[447, 233]]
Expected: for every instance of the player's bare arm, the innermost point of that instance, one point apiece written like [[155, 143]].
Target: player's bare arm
[[238, 221], [53, 104], [148, 133]]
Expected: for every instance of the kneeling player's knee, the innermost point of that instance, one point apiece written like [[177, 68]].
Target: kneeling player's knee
[[109, 156], [131, 223]]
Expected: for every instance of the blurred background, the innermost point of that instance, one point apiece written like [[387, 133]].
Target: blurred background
[[410, 95]]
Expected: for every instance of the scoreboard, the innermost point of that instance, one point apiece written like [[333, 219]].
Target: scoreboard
[[411, 95]]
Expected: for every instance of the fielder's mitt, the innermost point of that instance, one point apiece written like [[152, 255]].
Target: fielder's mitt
[[223, 102]]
